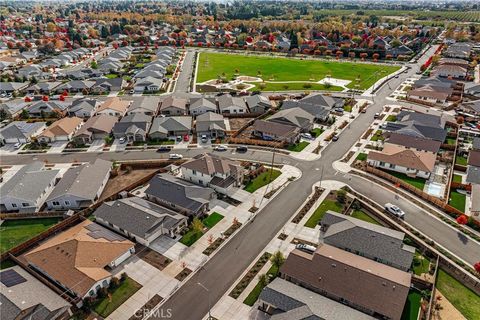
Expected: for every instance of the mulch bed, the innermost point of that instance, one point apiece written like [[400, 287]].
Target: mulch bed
[[253, 209], [282, 236], [155, 300], [367, 133], [152, 257], [215, 244], [318, 192], [237, 291], [348, 157], [183, 274]]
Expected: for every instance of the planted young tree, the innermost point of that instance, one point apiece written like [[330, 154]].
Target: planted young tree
[[263, 280], [341, 196], [197, 225], [277, 260]]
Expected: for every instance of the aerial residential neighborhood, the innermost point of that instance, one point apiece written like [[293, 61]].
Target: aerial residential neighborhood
[[239, 160]]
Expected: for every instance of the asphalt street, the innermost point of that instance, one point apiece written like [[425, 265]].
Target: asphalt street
[[185, 77], [222, 270]]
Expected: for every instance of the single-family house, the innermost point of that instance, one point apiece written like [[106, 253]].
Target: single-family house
[[179, 195], [114, 106], [202, 105], [105, 85], [148, 84], [77, 258], [27, 189], [80, 186], [61, 130], [13, 87], [147, 105], [269, 130], [20, 131], [96, 128], [140, 220], [83, 108], [228, 104], [134, 127], [166, 127], [219, 173], [296, 117], [358, 282], [258, 103], [45, 109], [211, 124], [174, 106], [44, 87]]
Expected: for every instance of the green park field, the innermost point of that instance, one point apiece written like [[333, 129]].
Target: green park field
[[276, 71]]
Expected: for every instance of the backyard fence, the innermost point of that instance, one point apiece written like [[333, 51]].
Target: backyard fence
[[31, 215]]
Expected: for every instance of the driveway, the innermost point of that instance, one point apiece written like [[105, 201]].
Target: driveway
[[97, 145], [57, 146], [168, 247], [117, 146]]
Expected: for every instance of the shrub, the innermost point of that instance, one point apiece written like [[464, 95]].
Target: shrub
[[341, 196]]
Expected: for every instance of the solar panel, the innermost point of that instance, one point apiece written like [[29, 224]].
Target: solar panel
[[97, 232], [11, 278]]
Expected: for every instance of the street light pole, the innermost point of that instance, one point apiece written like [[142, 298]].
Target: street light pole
[[209, 305]]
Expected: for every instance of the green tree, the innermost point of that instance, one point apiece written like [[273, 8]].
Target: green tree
[[94, 65], [263, 280], [197, 225], [341, 196], [277, 259], [293, 40]]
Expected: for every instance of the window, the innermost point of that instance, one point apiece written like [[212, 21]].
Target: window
[[14, 205], [392, 166], [67, 203], [24, 204], [56, 203], [382, 164]]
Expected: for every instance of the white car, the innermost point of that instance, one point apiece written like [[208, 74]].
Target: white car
[[175, 156], [220, 148], [122, 140], [306, 247], [17, 145], [307, 136], [396, 211], [204, 138]]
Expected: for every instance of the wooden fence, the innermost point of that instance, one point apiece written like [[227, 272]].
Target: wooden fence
[[31, 215]]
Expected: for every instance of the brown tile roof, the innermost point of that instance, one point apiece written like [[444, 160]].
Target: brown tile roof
[[474, 158], [356, 279], [115, 103], [420, 160], [61, 127], [76, 258], [98, 123], [176, 102], [431, 92], [210, 164]]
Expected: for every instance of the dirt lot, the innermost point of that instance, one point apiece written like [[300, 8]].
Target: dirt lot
[[152, 257], [123, 180], [237, 123]]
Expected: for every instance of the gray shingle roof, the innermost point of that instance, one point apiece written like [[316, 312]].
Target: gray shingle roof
[[83, 181], [166, 124], [367, 238], [20, 129], [29, 182], [473, 175], [179, 192], [138, 216]]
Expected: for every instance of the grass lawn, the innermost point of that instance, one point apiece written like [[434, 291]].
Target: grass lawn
[[192, 236], [461, 160], [451, 141], [262, 180], [316, 132], [326, 205], [392, 118], [362, 156], [412, 306], [284, 69], [423, 266], [295, 86], [212, 220], [457, 200], [457, 178], [126, 289], [347, 108], [297, 147], [111, 76], [255, 293], [462, 298], [14, 232], [359, 214], [418, 183], [377, 136], [6, 264]]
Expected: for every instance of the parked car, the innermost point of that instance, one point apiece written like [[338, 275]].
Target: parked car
[[352, 116], [364, 110], [175, 156], [241, 149], [307, 136], [186, 138], [122, 140], [204, 138], [338, 110], [220, 148], [17, 145], [179, 138], [164, 149], [376, 115], [335, 138], [396, 211], [306, 247]]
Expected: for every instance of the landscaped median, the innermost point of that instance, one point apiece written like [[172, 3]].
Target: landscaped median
[[199, 227]]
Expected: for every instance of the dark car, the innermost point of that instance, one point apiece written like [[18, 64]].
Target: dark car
[[241, 149], [164, 149]]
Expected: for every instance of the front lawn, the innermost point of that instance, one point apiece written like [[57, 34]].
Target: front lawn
[[457, 200], [297, 147], [418, 183], [461, 160], [121, 294], [326, 205], [457, 178], [193, 235], [111, 76], [462, 298], [262, 180], [347, 108], [257, 290], [377, 136], [362, 156], [359, 214], [412, 306], [392, 118], [451, 141], [211, 65], [316, 132], [14, 232]]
